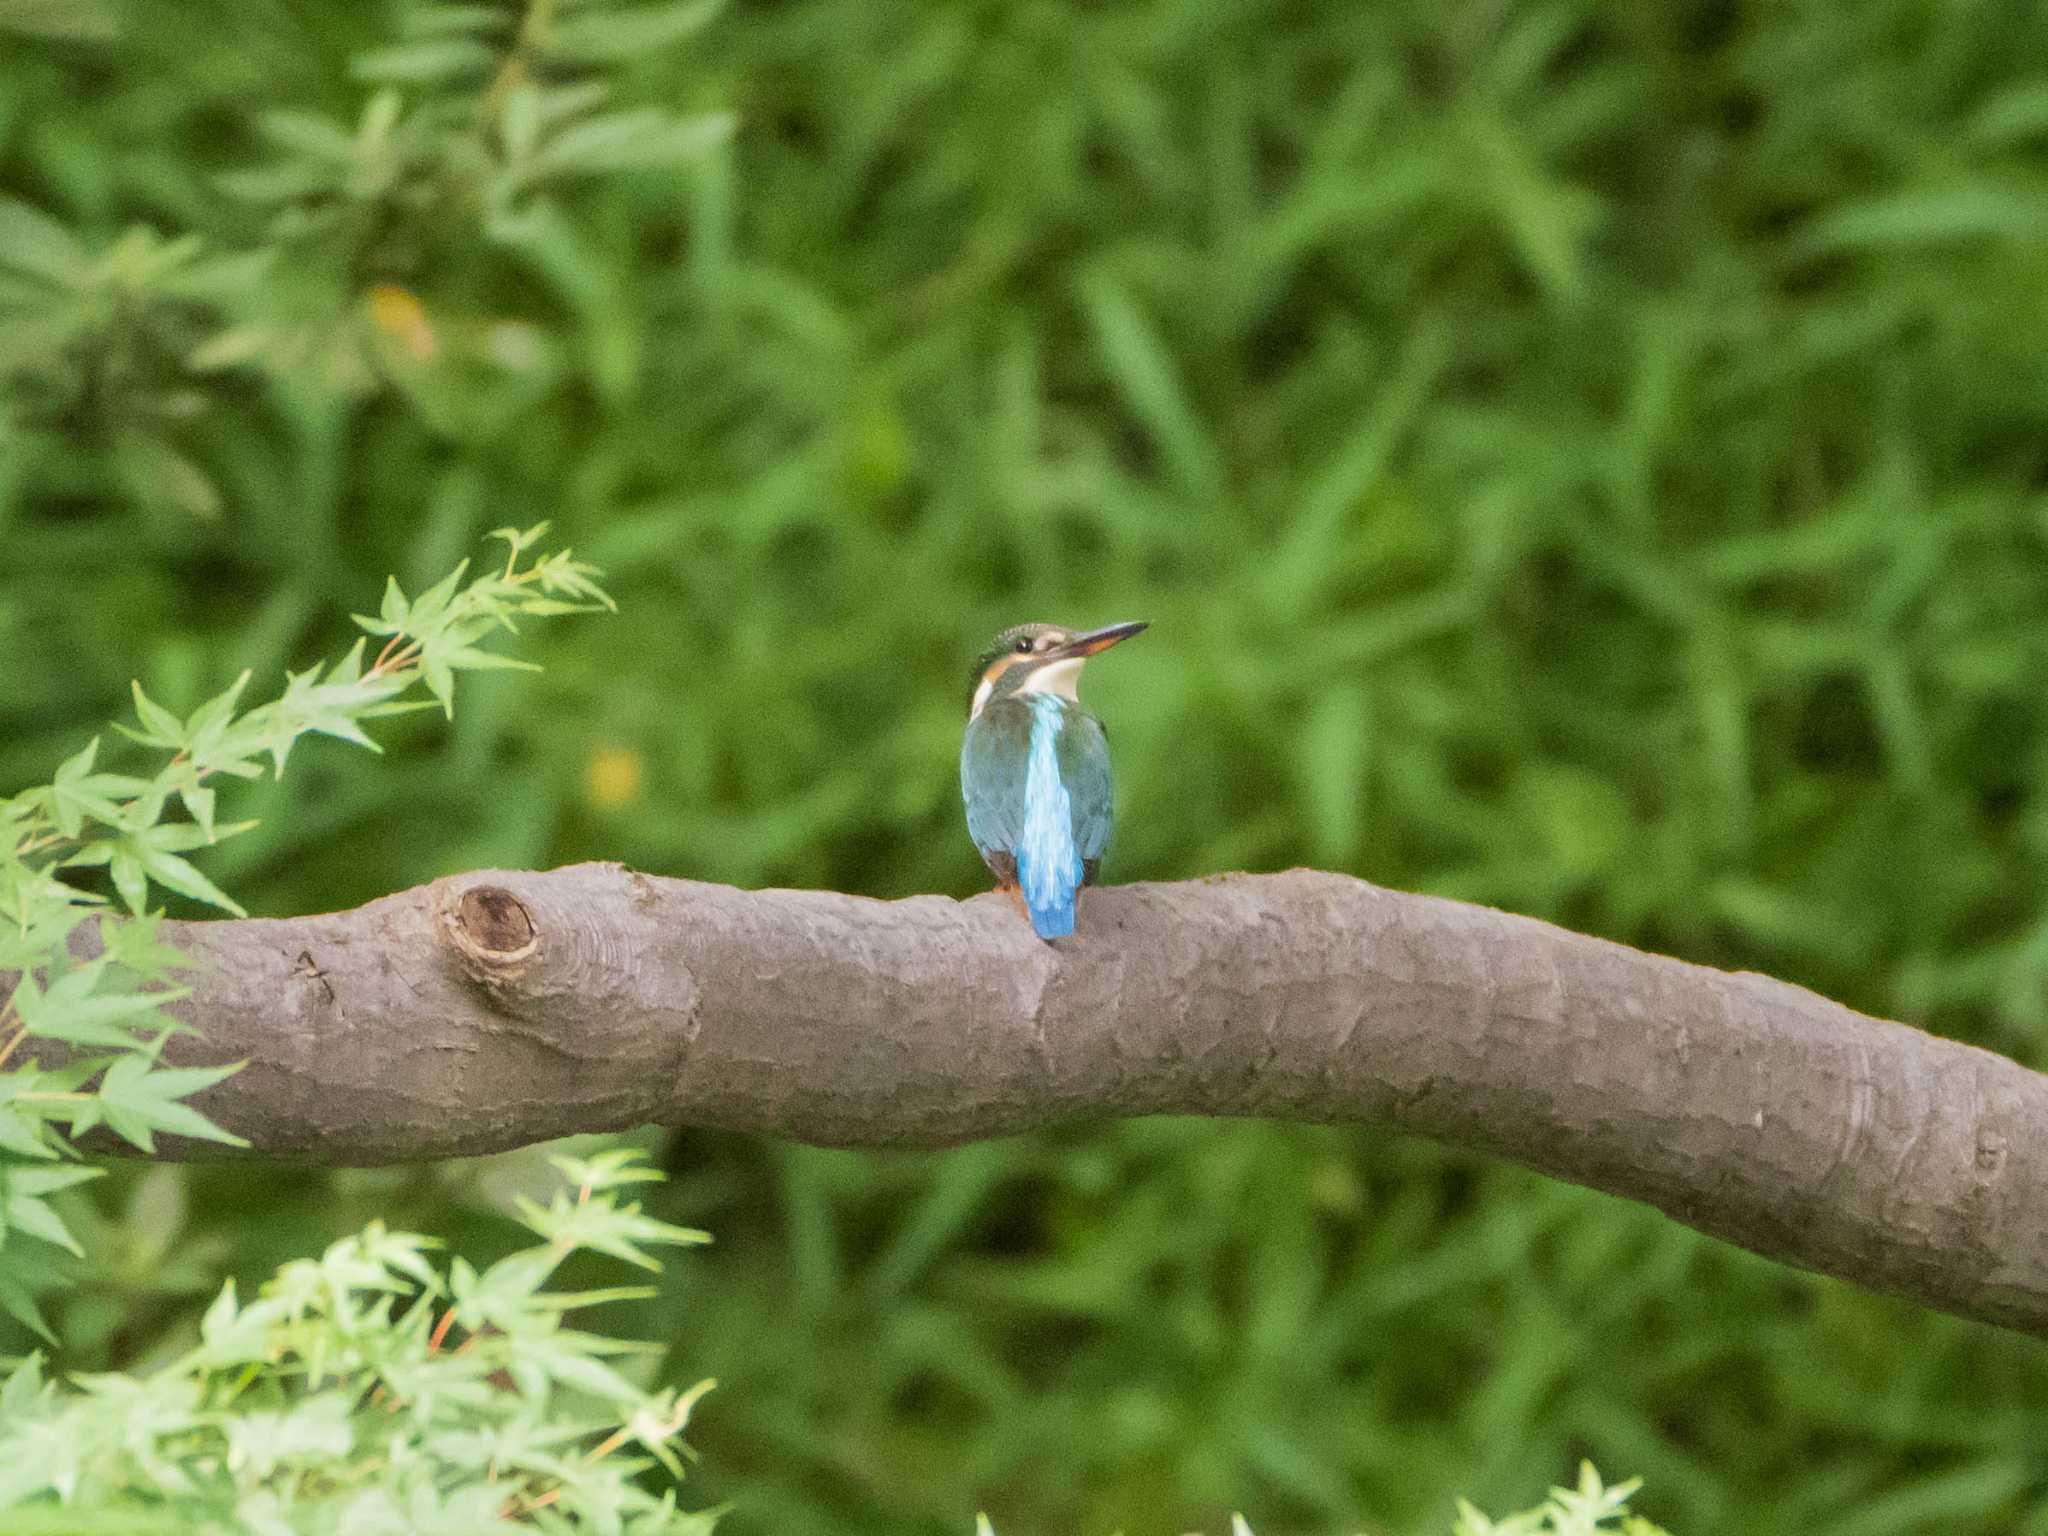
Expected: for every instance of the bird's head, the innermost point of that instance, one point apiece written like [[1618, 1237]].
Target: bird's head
[[1038, 658]]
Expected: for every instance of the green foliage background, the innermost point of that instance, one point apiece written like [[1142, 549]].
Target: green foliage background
[[1584, 459]]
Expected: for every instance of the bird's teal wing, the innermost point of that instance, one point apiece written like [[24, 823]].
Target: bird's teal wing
[[1083, 752], [995, 759]]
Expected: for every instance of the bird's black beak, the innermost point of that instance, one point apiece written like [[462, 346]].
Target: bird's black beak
[[1100, 639]]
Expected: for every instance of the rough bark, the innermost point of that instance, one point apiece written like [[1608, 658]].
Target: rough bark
[[497, 1008]]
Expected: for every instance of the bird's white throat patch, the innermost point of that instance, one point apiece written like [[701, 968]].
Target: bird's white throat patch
[[1059, 678]]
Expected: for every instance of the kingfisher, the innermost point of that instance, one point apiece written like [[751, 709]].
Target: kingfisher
[[1034, 768]]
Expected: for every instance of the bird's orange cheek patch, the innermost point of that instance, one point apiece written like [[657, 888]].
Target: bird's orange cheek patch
[[995, 670]]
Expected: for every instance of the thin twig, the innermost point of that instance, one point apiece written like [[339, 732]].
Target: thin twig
[[19, 1033], [441, 1330]]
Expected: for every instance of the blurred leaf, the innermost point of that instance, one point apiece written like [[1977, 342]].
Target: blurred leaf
[[1931, 216], [159, 475], [72, 21], [33, 242], [604, 35], [1136, 358], [435, 62]]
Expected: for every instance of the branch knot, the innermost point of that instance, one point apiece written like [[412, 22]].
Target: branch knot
[[491, 932]]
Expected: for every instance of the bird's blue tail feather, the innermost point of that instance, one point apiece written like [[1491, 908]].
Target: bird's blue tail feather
[[1050, 901]]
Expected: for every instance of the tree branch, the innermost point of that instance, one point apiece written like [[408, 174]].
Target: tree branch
[[493, 1009]]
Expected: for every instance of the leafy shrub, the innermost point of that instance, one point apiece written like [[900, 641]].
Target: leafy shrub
[[368, 1392], [106, 1011]]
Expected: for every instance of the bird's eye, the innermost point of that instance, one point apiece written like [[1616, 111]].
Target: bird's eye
[[1024, 646]]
